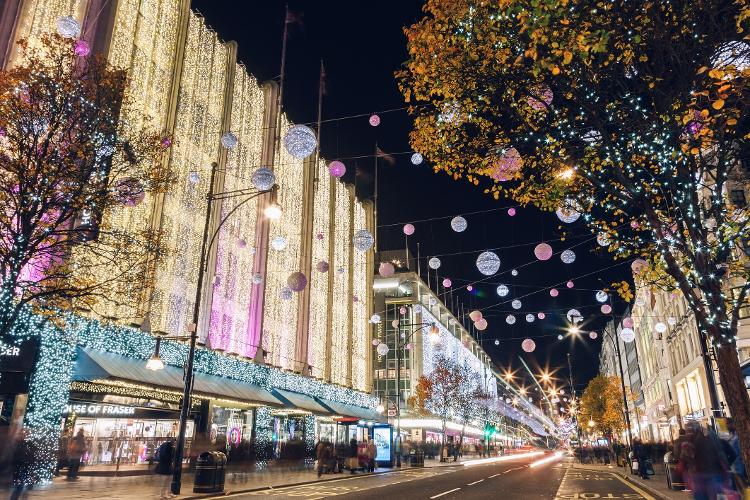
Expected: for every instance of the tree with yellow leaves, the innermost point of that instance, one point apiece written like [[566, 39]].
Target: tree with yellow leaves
[[601, 402], [633, 116]]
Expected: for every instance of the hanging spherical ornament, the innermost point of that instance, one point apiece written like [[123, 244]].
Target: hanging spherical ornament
[[488, 263], [68, 27], [543, 251], [416, 159], [672, 321], [660, 327], [447, 283], [81, 48], [257, 279], [434, 263], [374, 120], [601, 296], [514, 272], [300, 141], [481, 325], [506, 164], [278, 243], [376, 342], [638, 265], [512, 211], [297, 281], [395, 323], [340, 270], [469, 288], [286, 293], [402, 310], [129, 191], [322, 266], [497, 342], [627, 335], [382, 349], [528, 345], [166, 142], [530, 318], [602, 239], [319, 236], [241, 243], [337, 169], [606, 309], [568, 256], [540, 98], [194, 177], [229, 140], [355, 299], [458, 224], [541, 315], [502, 290], [569, 211], [510, 319], [559, 337], [553, 292], [363, 240], [263, 178], [628, 322], [593, 335], [475, 315], [408, 229], [574, 316], [516, 304], [375, 319], [409, 346], [386, 269], [570, 284]]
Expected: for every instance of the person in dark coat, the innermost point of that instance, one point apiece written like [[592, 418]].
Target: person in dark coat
[[709, 466], [76, 450], [641, 454], [164, 457]]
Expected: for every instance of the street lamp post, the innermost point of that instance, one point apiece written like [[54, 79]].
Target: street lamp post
[[155, 363]]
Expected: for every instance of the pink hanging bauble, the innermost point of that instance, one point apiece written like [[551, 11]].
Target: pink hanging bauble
[[447, 283], [322, 266], [374, 120], [481, 324], [606, 309], [297, 281], [336, 169], [506, 165], [81, 48], [570, 284], [553, 292], [469, 288], [541, 97], [543, 251], [386, 269], [528, 345], [511, 211], [627, 322], [475, 315], [541, 315], [408, 229]]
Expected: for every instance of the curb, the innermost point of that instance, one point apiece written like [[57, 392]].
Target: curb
[[653, 492]]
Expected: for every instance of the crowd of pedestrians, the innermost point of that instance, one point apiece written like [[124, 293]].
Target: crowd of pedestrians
[[359, 455]]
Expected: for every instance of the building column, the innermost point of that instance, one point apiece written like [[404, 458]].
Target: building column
[[350, 290], [9, 16], [335, 185], [310, 166]]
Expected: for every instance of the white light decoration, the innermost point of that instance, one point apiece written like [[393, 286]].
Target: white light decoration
[[361, 277], [434, 263], [68, 27], [488, 263], [627, 335], [601, 296], [514, 272], [278, 243], [736, 53], [516, 304], [510, 319], [602, 239], [382, 349], [529, 318], [497, 342], [229, 140], [263, 179], [569, 212], [672, 321], [574, 316], [416, 159], [502, 290], [459, 224], [194, 177], [363, 240], [660, 327], [300, 141], [591, 137], [375, 319], [560, 337], [528, 345], [568, 256], [286, 293], [593, 335]]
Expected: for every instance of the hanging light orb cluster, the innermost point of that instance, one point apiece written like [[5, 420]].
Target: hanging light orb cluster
[[363, 240], [300, 141], [568, 256], [459, 224], [337, 169], [528, 345], [488, 263], [68, 27], [510, 319], [516, 304], [229, 140], [569, 212], [408, 229], [543, 251], [502, 290], [416, 159], [386, 269], [434, 263], [263, 179], [530, 318], [296, 281]]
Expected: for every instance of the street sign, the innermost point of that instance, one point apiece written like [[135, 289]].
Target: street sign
[[391, 412]]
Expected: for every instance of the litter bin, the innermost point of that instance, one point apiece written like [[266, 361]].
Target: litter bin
[[210, 469], [418, 459], [674, 476]]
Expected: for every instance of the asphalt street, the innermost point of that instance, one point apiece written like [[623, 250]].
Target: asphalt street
[[508, 479]]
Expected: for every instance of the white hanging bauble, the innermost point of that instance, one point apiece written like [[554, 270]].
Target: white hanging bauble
[[530, 318], [488, 263], [502, 290], [602, 240], [278, 243], [229, 140], [568, 256], [516, 304], [459, 224], [286, 293], [363, 240], [510, 319], [416, 159], [627, 335], [434, 263], [660, 327], [300, 141], [263, 179], [257, 279], [382, 349], [569, 212], [672, 321], [601, 296], [574, 316], [375, 319], [68, 27]]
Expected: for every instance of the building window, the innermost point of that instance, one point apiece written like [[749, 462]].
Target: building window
[[737, 197]]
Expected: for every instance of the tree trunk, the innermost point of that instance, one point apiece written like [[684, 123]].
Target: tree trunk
[[443, 444], [733, 385]]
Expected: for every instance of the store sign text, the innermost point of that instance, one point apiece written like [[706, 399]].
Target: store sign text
[[12, 351], [99, 409]]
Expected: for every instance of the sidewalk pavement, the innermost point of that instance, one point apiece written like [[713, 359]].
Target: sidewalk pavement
[[656, 486], [158, 486]]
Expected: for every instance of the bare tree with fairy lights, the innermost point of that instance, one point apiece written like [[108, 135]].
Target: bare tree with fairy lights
[[633, 116]]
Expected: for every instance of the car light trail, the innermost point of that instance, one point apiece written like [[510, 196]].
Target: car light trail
[[504, 458], [557, 455]]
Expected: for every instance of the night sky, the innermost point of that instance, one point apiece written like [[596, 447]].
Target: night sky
[[362, 44]]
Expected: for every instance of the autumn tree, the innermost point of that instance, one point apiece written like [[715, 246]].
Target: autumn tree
[[632, 116], [67, 161], [443, 390], [421, 395], [601, 402]]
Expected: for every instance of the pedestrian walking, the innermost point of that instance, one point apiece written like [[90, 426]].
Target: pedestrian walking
[[76, 450], [705, 463], [323, 456], [372, 452], [23, 473], [641, 455]]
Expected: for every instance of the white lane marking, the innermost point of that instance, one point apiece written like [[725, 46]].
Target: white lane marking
[[493, 475], [445, 493], [475, 482]]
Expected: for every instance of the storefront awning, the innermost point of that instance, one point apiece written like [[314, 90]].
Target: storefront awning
[[346, 410], [93, 365], [299, 401]]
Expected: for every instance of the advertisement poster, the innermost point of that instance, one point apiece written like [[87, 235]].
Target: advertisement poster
[[382, 436]]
